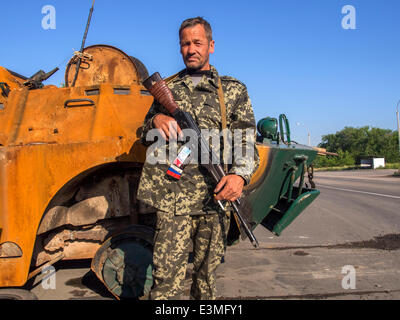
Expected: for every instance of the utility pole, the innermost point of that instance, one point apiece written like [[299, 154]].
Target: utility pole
[[308, 132], [398, 129]]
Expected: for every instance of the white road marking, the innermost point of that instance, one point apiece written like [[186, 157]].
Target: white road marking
[[358, 191], [386, 178]]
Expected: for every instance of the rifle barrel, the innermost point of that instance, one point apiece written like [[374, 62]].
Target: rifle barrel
[[78, 64], [87, 27]]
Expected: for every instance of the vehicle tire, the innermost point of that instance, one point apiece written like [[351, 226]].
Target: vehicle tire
[[17, 294], [124, 263]]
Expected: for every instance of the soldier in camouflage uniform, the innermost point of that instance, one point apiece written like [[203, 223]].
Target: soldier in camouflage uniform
[[187, 210]]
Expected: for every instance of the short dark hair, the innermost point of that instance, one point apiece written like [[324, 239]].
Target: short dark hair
[[191, 22]]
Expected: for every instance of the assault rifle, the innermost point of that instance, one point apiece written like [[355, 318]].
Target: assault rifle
[[160, 91]]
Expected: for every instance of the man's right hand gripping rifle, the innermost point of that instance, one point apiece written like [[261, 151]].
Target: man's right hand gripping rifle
[[159, 89]]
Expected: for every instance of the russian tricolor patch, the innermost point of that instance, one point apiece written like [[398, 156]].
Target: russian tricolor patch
[[175, 170]]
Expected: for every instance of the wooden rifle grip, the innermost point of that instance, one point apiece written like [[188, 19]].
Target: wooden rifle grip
[[160, 91]]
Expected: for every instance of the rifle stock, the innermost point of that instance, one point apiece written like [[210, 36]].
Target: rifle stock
[[160, 91]]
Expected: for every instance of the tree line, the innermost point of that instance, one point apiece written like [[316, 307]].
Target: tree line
[[352, 143]]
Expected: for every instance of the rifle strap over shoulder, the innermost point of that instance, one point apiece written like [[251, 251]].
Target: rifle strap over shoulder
[[169, 79], [224, 124]]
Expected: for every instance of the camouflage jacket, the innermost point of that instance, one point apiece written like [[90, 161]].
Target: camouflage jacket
[[193, 193]]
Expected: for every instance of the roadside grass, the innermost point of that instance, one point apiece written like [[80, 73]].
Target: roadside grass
[[358, 167], [338, 168], [392, 166]]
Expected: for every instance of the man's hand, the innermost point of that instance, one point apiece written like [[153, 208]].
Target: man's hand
[[168, 126], [232, 187]]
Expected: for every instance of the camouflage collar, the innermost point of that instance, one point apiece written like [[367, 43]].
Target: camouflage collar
[[184, 77], [214, 76]]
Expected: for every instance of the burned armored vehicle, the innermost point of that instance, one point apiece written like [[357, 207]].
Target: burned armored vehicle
[[70, 162]]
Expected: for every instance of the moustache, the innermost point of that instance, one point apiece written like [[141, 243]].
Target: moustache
[[187, 57]]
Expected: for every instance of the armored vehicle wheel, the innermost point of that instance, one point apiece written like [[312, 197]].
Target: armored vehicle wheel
[[17, 294], [124, 263]]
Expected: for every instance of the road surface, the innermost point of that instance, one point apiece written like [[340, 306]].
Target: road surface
[[344, 246]]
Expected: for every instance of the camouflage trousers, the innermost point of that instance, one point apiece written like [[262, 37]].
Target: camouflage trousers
[[173, 238]]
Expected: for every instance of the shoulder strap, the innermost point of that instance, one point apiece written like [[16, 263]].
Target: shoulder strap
[[224, 124], [169, 79]]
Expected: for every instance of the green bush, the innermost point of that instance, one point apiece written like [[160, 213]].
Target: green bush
[[344, 159], [351, 143]]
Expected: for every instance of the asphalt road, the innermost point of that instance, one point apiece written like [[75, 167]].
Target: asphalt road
[[354, 223]]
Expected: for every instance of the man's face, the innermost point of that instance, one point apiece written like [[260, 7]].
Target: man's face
[[195, 48]]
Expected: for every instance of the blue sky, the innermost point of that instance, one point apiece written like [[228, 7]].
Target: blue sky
[[293, 55]]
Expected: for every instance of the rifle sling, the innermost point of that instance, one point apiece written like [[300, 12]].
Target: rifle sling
[[171, 78], [223, 122]]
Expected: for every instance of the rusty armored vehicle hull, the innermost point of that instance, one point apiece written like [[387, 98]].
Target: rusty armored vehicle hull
[[70, 162]]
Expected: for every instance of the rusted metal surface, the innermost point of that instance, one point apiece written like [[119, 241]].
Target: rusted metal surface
[[13, 81], [39, 116], [72, 251], [56, 241], [102, 64], [76, 243], [8, 83], [107, 198], [44, 146], [38, 270], [10, 250]]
